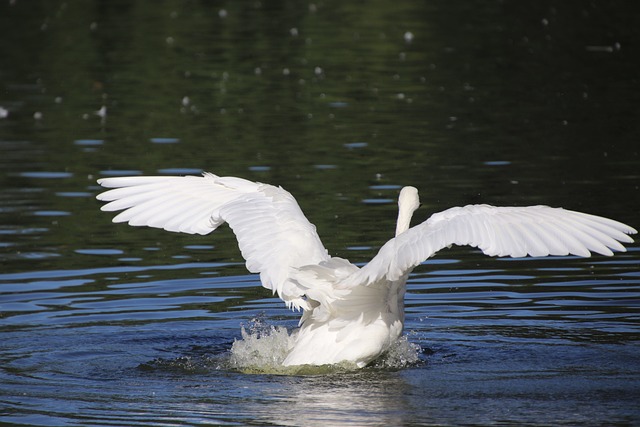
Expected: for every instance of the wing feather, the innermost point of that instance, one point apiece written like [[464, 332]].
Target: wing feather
[[497, 231], [534, 245], [273, 234]]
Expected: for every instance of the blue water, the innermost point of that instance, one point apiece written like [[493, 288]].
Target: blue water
[[502, 344]]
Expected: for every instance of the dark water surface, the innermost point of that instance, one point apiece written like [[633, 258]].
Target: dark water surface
[[507, 103]]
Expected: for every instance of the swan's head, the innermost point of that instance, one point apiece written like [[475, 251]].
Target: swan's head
[[409, 199], [408, 202]]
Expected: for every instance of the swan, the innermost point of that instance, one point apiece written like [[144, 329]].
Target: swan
[[349, 314]]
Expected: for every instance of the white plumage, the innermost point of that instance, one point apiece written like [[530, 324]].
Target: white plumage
[[350, 314]]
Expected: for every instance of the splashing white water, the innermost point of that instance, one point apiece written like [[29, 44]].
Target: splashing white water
[[264, 347], [401, 354]]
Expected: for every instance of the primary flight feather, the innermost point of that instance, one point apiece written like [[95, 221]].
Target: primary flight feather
[[350, 314]]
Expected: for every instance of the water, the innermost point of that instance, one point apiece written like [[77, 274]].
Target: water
[[504, 103], [120, 346]]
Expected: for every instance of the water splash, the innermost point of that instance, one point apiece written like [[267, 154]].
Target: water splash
[[264, 347], [401, 354]]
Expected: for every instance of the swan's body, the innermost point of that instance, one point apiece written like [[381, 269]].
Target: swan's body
[[350, 314]]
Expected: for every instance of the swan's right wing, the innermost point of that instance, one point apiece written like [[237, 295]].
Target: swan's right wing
[[497, 231], [273, 234]]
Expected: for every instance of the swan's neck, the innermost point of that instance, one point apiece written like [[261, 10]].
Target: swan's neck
[[408, 202], [404, 220]]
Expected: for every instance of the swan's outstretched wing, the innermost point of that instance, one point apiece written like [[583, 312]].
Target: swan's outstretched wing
[[497, 231], [273, 233]]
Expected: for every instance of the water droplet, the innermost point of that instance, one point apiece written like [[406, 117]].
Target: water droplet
[[408, 36]]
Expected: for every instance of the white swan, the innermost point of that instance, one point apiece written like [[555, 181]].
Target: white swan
[[350, 314]]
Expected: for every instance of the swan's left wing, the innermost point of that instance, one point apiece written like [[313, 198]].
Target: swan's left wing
[[273, 234], [497, 231]]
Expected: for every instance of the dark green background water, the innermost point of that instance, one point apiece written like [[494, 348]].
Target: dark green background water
[[341, 103]]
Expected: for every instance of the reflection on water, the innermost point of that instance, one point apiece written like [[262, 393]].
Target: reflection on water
[[358, 400], [342, 104]]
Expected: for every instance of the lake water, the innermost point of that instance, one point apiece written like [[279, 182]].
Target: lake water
[[507, 103]]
